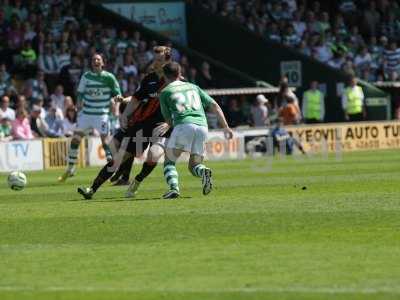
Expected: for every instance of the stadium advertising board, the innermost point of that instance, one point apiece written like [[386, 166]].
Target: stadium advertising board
[[217, 148], [21, 156], [166, 18], [348, 136], [95, 152]]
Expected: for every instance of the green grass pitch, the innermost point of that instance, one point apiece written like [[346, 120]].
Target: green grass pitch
[[317, 228]]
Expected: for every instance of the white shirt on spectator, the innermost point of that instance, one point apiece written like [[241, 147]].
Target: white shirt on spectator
[[8, 113], [68, 127], [299, 28], [323, 53], [259, 115], [57, 101], [362, 60], [292, 5], [130, 70]]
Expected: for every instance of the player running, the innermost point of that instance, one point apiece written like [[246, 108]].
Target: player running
[[95, 96], [145, 127], [183, 105]]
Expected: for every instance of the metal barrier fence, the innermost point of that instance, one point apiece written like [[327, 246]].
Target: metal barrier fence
[[55, 153]]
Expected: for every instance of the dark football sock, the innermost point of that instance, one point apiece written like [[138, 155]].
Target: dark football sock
[[146, 170], [105, 173], [126, 168]]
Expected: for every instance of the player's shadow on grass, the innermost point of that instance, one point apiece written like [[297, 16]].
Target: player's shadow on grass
[[123, 199]]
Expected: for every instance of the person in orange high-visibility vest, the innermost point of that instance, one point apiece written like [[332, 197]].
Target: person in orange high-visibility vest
[[353, 102]]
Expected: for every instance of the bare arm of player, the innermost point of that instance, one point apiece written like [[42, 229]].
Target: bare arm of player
[[120, 98], [129, 109], [215, 108]]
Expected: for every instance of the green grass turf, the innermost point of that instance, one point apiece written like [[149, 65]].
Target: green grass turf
[[259, 235]]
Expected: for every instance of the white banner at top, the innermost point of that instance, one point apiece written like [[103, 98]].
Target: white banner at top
[[166, 18]]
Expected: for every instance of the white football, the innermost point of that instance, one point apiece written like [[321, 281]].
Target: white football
[[17, 180]]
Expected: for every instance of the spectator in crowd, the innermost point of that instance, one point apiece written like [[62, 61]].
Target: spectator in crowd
[[313, 106], [289, 112], [5, 129], [54, 122], [28, 55], [284, 93], [21, 130], [38, 125], [144, 56], [330, 36], [283, 140], [192, 76], [36, 87], [63, 57], [48, 61], [69, 122], [205, 79], [353, 101], [57, 99], [70, 75], [259, 111], [5, 80], [176, 56], [234, 114], [5, 110]]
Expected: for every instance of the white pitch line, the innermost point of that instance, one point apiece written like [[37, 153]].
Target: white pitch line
[[310, 290]]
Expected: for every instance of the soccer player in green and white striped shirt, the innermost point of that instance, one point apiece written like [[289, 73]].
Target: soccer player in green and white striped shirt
[[96, 92]]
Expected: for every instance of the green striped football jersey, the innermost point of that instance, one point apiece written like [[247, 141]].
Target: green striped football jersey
[[95, 90]]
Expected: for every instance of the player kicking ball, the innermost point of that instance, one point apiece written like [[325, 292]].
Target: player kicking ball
[[95, 96], [183, 107]]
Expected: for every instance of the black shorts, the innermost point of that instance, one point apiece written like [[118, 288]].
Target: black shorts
[[136, 142]]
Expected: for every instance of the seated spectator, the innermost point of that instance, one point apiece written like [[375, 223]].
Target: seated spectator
[[21, 130], [68, 102], [176, 56], [5, 129], [363, 59], [205, 79], [290, 113], [234, 115], [70, 75], [48, 60], [144, 56], [21, 103], [28, 55], [57, 99], [192, 76], [40, 103], [36, 88], [63, 57], [5, 110], [259, 111], [54, 122], [129, 66], [123, 83], [6, 85], [38, 125], [69, 122]]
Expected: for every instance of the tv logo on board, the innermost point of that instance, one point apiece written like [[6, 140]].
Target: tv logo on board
[[20, 148]]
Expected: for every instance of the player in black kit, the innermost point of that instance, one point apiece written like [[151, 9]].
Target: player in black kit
[[142, 126]]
